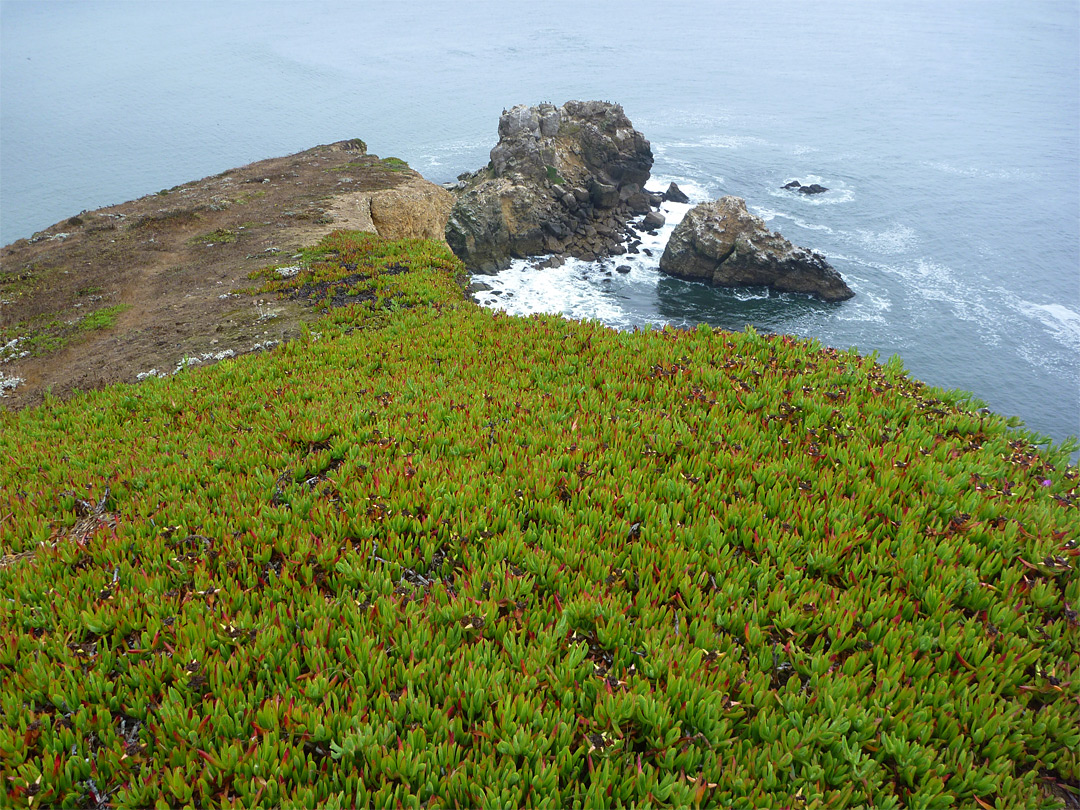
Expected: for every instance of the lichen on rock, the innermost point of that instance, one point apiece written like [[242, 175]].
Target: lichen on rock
[[722, 243], [561, 180]]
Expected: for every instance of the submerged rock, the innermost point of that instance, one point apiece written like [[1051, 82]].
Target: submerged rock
[[813, 188], [561, 180], [722, 243]]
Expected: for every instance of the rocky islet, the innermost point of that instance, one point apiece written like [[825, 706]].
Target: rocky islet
[[722, 243], [811, 189], [562, 180], [567, 181]]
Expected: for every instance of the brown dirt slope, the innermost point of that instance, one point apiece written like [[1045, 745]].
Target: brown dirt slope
[[111, 294]]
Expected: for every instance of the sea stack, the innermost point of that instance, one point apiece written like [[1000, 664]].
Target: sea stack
[[562, 180], [722, 243]]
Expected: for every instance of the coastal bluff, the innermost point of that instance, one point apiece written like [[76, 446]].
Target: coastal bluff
[[149, 285]]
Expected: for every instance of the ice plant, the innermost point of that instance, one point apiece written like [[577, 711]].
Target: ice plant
[[433, 555]]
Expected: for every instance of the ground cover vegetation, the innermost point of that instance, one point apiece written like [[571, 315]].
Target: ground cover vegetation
[[430, 554], [42, 335]]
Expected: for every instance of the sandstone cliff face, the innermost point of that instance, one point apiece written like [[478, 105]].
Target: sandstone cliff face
[[722, 243], [415, 208], [561, 180]]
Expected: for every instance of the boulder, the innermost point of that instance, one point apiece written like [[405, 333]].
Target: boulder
[[640, 203], [551, 261], [722, 243], [415, 209], [653, 220], [675, 194], [477, 287], [555, 174], [604, 195], [411, 208]]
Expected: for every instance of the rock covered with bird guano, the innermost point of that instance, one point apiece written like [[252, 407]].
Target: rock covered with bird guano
[[562, 180], [722, 243]]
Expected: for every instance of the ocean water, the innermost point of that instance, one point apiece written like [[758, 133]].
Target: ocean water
[[948, 135]]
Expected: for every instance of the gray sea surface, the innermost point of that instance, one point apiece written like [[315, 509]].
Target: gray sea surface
[[948, 135]]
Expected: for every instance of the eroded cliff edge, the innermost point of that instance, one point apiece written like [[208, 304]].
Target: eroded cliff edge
[[152, 283]]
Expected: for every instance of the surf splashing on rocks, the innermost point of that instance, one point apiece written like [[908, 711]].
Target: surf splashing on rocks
[[609, 290]]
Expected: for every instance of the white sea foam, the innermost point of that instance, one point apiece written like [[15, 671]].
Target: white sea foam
[[577, 289], [927, 270], [769, 214], [750, 293], [683, 170], [718, 142], [691, 187], [978, 172], [897, 238], [1062, 322], [977, 311], [588, 290], [868, 305], [929, 280], [1061, 359]]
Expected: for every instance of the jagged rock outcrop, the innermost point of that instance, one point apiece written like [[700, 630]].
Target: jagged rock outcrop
[[723, 243], [561, 180], [676, 194]]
